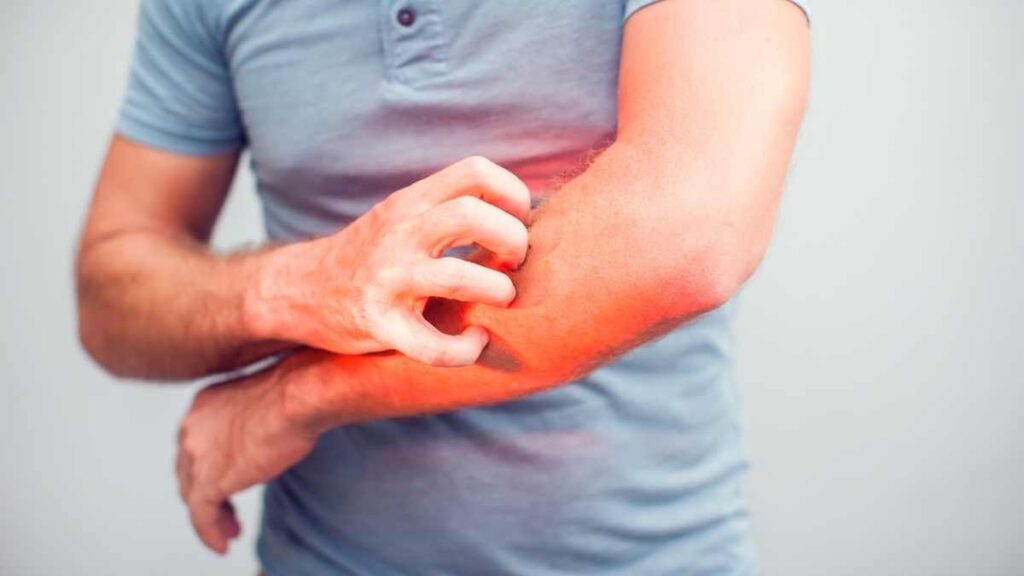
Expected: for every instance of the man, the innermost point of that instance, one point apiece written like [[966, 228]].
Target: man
[[566, 410]]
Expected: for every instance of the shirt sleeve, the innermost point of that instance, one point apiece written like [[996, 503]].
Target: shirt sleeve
[[179, 95], [634, 5]]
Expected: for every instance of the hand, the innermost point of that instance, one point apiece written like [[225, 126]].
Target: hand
[[235, 435], [363, 289]]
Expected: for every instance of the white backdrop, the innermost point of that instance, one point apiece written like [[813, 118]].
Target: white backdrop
[[881, 360]]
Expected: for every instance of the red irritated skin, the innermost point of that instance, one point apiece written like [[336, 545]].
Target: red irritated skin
[[666, 224]]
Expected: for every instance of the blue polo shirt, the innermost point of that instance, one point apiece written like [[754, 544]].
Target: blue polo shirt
[[636, 468]]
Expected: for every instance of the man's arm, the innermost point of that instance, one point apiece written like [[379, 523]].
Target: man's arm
[[155, 302], [152, 300], [663, 226]]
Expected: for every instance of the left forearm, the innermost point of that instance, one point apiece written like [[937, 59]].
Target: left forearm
[[620, 255]]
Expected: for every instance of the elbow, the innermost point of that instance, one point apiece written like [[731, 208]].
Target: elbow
[[713, 283], [94, 332], [92, 343], [96, 342], [713, 275]]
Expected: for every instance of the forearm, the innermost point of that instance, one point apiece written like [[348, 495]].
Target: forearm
[[159, 306], [621, 254]]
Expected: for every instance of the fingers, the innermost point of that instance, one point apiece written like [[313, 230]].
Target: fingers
[[420, 340], [466, 220], [474, 177], [229, 523], [457, 279], [215, 522]]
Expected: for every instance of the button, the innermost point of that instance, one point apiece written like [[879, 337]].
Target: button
[[406, 17]]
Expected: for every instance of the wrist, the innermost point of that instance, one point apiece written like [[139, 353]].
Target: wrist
[[275, 408], [273, 301], [313, 388]]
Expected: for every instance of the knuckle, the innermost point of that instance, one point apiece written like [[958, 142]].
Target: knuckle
[[388, 279], [453, 274], [464, 207], [405, 231], [381, 211], [418, 278], [406, 202], [476, 166]]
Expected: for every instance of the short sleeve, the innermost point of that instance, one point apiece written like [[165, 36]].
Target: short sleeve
[[179, 95], [634, 5]]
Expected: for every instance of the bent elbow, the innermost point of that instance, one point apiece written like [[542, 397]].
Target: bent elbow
[[91, 344], [94, 332], [713, 278], [715, 284], [95, 343]]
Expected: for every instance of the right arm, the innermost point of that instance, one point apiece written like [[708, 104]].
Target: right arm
[[155, 302]]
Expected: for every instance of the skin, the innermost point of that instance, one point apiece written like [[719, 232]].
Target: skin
[[666, 224]]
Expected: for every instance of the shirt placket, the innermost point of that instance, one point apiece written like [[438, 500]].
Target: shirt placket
[[413, 37]]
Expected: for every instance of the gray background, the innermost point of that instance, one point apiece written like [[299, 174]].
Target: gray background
[[881, 359]]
